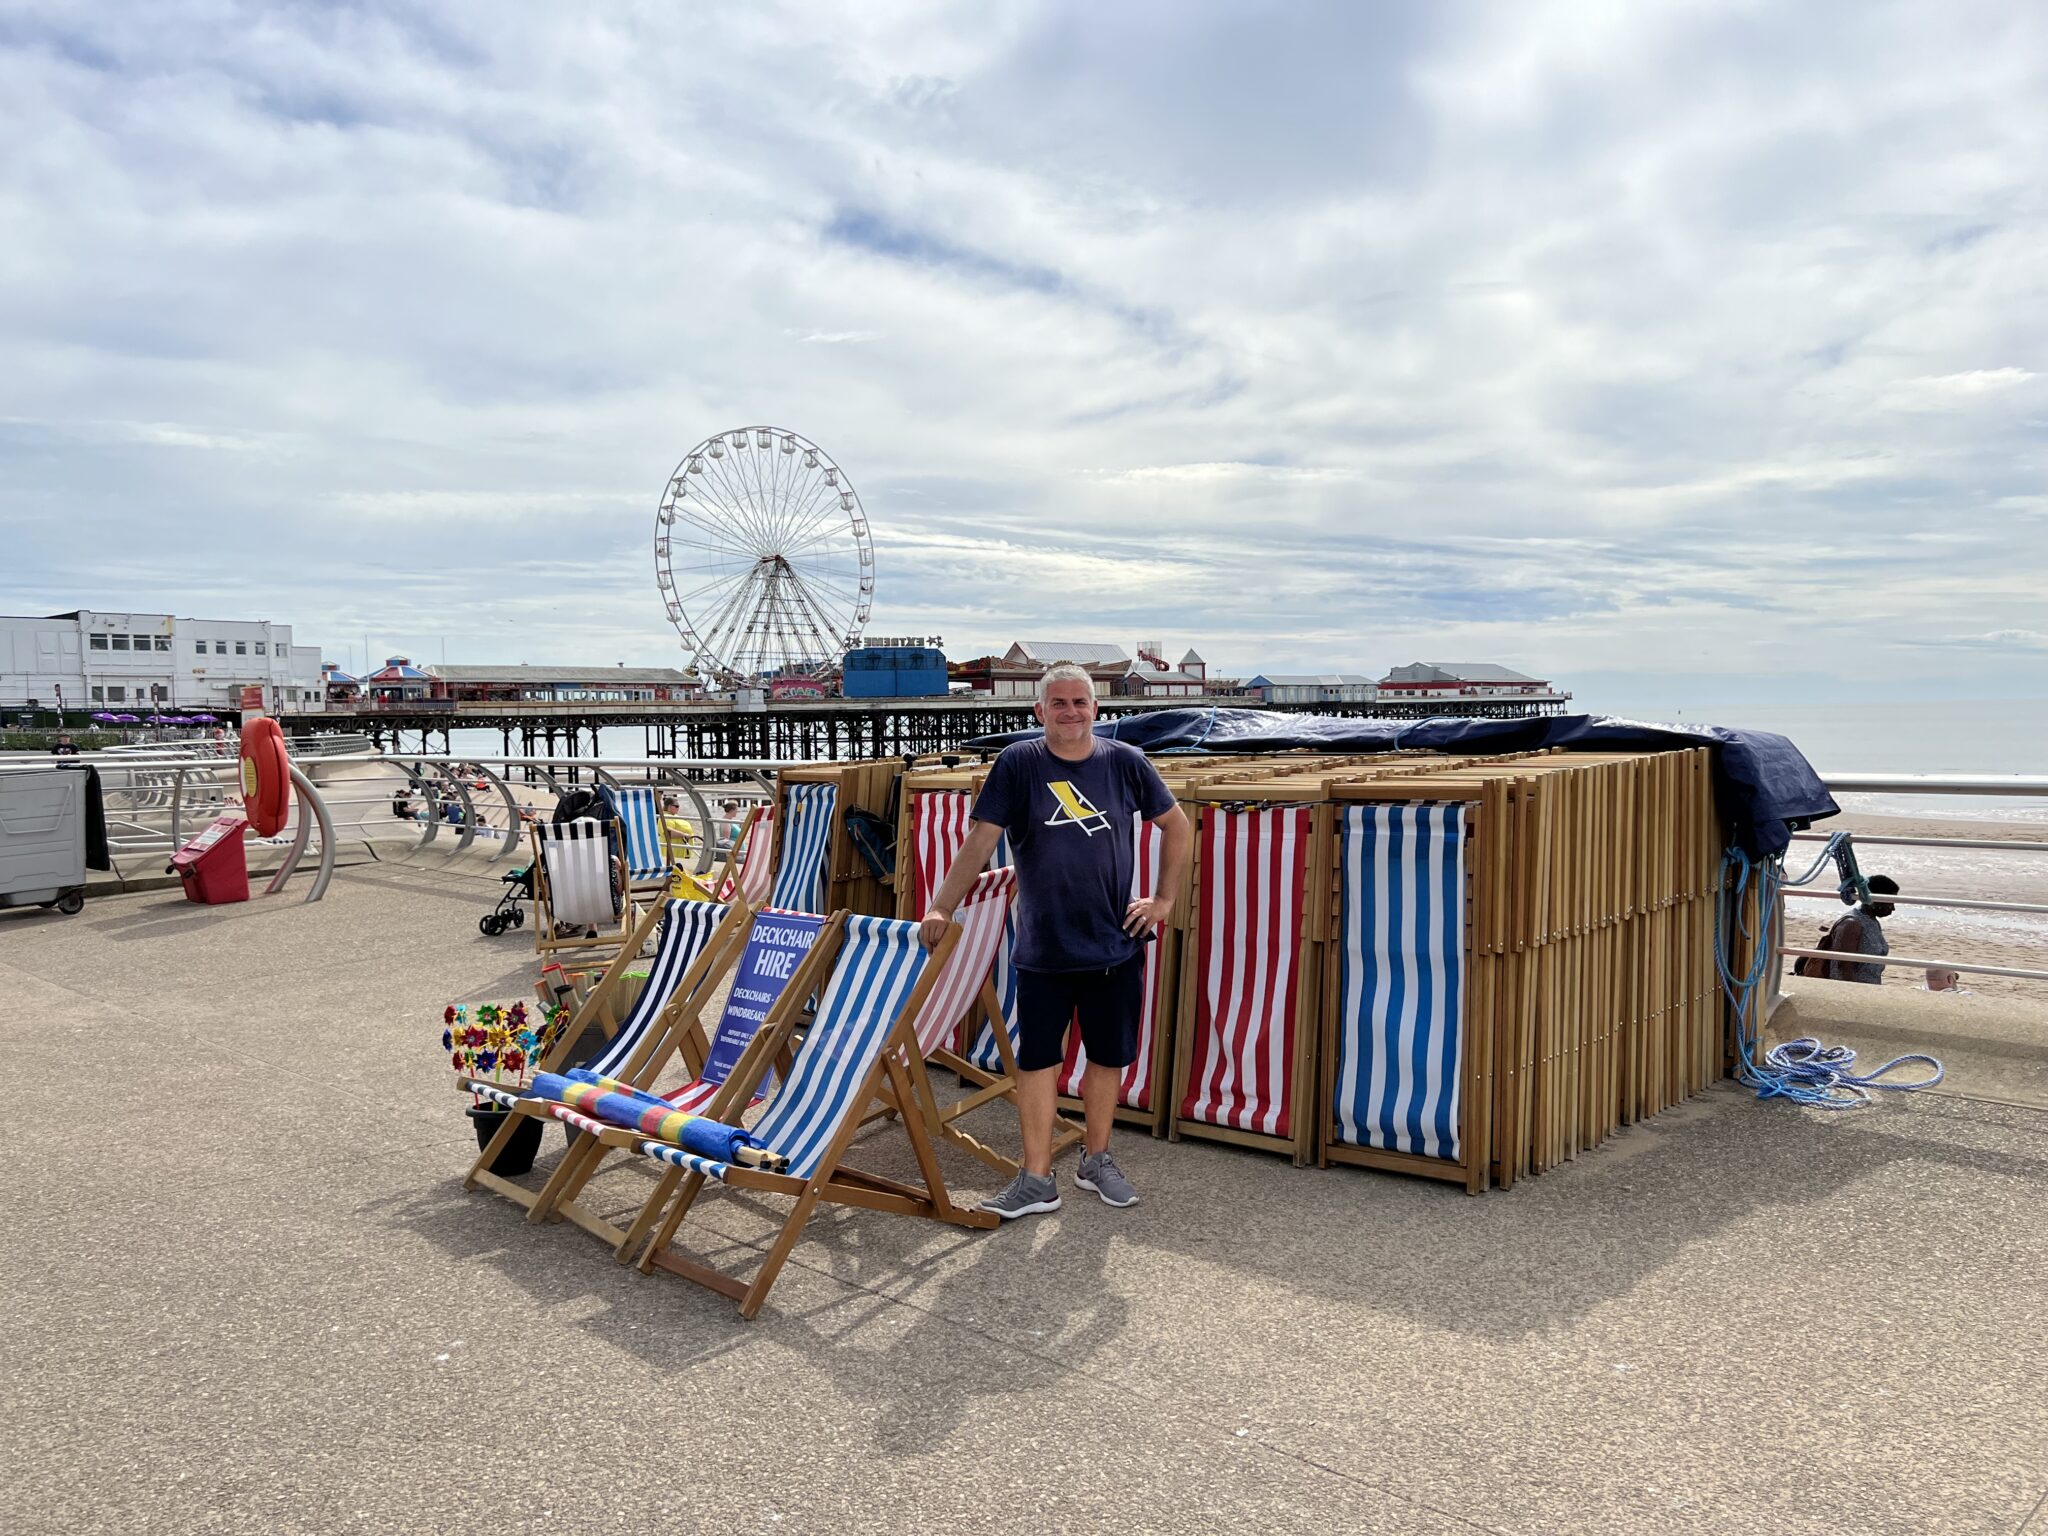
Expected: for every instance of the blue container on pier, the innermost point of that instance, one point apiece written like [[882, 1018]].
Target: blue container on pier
[[893, 672]]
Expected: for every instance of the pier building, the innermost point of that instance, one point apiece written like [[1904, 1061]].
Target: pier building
[[88, 659]]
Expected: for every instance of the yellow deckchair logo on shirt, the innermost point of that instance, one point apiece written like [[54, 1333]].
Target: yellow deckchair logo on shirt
[[1075, 811]]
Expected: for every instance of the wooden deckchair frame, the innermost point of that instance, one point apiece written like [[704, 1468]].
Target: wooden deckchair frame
[[891, 1073], [679, 1027]]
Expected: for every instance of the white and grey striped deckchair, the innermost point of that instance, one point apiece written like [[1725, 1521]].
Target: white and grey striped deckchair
[[857, 1053], [699, 942], [805, 838], [576, 885]]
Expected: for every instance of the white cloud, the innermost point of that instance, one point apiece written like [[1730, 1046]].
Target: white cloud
[[1578, 336]]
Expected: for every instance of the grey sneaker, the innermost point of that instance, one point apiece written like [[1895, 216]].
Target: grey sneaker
[[1027, 1195], [1100, 1173]]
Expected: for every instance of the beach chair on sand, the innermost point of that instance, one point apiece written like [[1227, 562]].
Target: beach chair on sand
[[858, 1052], [578, 884], [699, 942], [966, 994]]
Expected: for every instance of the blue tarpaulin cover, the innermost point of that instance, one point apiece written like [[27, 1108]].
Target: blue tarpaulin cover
[[1763, 785]]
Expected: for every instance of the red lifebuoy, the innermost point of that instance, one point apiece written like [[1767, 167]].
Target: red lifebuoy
[[266, 776]]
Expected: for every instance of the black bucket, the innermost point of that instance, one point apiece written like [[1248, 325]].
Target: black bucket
[[517, 1155]]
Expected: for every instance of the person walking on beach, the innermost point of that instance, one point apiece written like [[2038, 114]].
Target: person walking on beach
[[1070, 801], [1860, 932]]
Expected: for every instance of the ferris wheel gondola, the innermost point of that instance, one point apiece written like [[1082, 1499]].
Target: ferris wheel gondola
[[762, 557]]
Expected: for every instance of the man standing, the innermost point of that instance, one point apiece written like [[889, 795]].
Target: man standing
[[1070, 802], [65, 747]]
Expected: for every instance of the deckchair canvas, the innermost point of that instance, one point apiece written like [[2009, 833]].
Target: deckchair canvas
[[855, 1055], [698, 943], [1248, 992], [754, 848], [641, 844], [576, 885], [806, 836], [1398, 1070]]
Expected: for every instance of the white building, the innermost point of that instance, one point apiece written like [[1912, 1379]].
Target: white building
[[126, 662], [1312, 688]]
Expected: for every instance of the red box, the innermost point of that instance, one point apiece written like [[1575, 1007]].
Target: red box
[[215, 865]]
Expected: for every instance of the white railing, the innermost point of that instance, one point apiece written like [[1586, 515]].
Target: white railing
[[2017, 786]]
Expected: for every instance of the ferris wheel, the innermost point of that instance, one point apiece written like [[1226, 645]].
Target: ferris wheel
[[762, 555]]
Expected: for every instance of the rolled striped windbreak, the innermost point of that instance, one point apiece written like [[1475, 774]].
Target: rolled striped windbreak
[[685, 929], [1400, 1023], [1249, 927], [613, 1103], [1134, 1088], [982, 914], [871, 980], [578, 855], [806, 835], [639, 824]]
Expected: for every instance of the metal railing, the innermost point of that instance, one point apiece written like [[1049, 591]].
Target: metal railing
[[2015, 786]]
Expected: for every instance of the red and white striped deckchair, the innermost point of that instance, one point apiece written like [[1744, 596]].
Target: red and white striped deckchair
[[967, 990], [1246, 988], [1134, 1090], [757, 860]]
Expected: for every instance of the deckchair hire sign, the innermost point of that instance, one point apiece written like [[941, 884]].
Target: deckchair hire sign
[[776, 947]]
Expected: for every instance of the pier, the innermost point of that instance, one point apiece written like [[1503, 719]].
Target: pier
[[809, 730]]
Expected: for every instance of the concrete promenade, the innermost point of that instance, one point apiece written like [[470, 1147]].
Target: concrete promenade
[[245, 1292]]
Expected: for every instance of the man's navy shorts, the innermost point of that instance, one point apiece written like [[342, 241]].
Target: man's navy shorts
[[1107, 1004]]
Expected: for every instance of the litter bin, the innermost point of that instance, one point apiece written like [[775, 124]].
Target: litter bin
[[42, 839], [215, 865]]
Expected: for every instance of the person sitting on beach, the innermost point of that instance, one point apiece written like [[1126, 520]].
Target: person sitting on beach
[[1860, 932], [1941, 979], [677, 839]]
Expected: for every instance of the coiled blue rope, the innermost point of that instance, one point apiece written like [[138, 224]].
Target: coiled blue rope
[[1803, 1070]]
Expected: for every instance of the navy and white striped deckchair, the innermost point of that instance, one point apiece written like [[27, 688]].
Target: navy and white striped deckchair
[[638, 814], [860, 1041], [1400, 1060], [691, 954], [805, 837]]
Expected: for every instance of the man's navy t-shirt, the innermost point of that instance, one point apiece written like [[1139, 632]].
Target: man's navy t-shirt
[[1072, 836]]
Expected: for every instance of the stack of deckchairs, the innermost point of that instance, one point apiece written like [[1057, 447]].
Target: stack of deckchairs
[[818, 866], [1469, 968]]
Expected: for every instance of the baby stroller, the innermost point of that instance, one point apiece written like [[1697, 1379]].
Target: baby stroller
[[508, 913]]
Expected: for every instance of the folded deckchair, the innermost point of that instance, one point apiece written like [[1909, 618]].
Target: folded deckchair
[[967, 991], [699, 942], [806, 838], [578, 884], [856, 1053]]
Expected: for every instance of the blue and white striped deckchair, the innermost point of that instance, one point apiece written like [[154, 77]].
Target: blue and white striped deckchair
[[699, 942], [1400, 1069], [638, 824], [804, 838], [856, 1054]]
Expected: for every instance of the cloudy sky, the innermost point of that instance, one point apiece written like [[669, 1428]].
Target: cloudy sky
[[1673, 351]]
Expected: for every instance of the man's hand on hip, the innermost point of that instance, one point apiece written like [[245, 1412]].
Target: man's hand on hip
[[933, 928], [1145, 914]]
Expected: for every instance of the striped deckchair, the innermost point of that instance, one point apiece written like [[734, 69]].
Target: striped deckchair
[[754, 849], [1134, 1089], [858, 1051], [966, 990], [1239, 1060], [806, 838], [698, 944], [577, 885], [641, 844], [1399, 1071]]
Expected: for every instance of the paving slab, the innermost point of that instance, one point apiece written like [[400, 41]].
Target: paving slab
[[248, 1292]]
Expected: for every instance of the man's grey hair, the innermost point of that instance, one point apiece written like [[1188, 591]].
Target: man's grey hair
[[1064, 672]]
